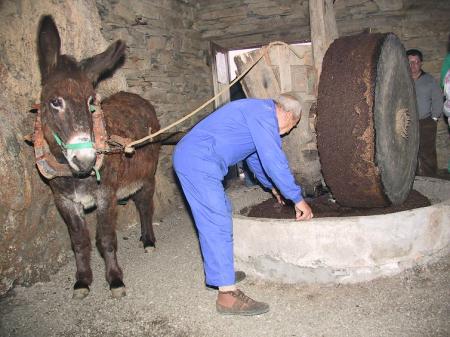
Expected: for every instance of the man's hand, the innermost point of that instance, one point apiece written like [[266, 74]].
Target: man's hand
[[277, 196], [303, 211]]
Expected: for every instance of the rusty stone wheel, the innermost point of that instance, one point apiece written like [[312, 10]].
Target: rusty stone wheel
[[367, 122]]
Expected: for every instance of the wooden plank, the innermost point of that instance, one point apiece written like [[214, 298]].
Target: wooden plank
[[284, 71], [301, 55], [260, 81], [279, 72], [283, 53], [323, 31]]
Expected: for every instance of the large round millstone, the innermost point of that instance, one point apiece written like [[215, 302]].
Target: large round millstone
[[367, 122]]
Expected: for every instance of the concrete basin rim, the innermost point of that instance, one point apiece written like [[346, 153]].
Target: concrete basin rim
[[441, 203]]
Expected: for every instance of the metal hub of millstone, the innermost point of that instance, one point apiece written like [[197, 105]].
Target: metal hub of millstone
[[367, 123]]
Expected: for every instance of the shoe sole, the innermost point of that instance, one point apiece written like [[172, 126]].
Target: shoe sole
[[243, 313]]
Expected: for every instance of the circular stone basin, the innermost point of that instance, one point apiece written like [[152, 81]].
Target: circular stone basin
[[341, 249]]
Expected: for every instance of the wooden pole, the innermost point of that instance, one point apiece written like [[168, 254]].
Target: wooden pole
[[323, 31]]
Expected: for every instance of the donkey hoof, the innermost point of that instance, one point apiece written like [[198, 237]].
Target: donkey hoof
[[79, 294], [149, 249], [149, 245], [118, 292], [117, 289], [80, 290]]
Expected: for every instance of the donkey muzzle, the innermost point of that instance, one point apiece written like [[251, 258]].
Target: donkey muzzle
[[81, 154]]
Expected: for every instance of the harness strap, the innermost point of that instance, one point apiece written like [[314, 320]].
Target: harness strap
[[46, 163]]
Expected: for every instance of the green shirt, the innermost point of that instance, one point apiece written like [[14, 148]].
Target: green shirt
[[445, 68]]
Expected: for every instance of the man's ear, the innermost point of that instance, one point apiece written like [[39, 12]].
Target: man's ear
[[289, 115]]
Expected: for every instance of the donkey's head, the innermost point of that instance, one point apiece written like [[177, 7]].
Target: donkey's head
[[68, 95]]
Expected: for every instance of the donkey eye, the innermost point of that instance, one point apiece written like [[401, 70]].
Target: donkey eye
[[57, 103]]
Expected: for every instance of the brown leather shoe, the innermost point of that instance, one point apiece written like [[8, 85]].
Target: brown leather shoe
[[237, 303]]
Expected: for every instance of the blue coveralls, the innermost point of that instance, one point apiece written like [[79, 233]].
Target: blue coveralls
[[243, 129]]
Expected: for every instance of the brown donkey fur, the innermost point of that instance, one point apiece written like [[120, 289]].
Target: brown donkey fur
[[66, 98]]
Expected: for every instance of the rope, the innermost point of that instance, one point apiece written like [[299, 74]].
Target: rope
[[129, 148]]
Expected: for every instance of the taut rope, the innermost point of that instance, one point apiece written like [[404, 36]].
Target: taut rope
[[129, 148]]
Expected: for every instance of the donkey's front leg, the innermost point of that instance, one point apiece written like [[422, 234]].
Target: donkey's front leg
[[106, 241], [73, 215]]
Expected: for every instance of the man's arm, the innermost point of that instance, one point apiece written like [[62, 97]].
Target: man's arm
[[255, 166], [437, 102], [274, 163]]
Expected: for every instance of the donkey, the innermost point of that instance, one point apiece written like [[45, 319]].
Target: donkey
[[68, 127]]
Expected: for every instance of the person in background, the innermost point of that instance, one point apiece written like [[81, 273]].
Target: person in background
[[447, 105], [245, 129], [447, 97], [445, 83], [445, 65], [429, 105]]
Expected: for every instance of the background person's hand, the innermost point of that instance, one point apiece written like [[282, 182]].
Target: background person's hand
[[277, 196], [303, 211]]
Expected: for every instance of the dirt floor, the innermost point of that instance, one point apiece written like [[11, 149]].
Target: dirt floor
[[166, 296]]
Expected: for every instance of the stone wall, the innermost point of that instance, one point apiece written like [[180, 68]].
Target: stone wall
[[238, 24], [166, 64]]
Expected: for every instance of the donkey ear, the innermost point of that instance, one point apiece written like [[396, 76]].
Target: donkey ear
[[95, 66], [49, 44]]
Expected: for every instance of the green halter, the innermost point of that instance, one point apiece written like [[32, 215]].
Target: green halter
[[76, 146]]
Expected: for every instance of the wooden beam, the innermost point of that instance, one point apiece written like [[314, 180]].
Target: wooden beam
[[323, 31]]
